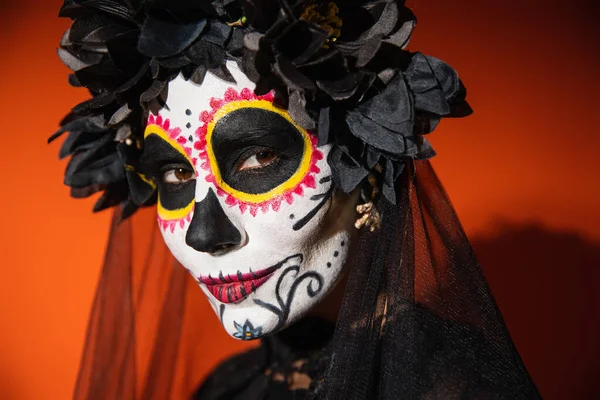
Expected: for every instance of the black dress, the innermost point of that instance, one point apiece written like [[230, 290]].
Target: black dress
[[289, 365], [450, 361]]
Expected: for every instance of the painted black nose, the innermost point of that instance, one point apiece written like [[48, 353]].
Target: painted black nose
[[210, 230]]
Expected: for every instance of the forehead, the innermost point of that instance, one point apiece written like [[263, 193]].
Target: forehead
[[186, 98]]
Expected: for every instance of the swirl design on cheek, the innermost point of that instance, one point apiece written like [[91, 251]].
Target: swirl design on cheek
[[283, 307], [302, 177]]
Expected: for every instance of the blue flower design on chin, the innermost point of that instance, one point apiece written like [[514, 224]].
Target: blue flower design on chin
[[247, 332]]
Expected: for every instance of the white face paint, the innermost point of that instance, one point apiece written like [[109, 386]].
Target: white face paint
[[245, 203]]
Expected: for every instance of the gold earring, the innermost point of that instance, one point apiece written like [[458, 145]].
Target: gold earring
[[369, 216]]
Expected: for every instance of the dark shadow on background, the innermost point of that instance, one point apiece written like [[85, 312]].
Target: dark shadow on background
[[547, 285]]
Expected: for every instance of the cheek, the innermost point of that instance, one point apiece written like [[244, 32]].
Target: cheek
[[334, 237], [175, 241], [184, 254]]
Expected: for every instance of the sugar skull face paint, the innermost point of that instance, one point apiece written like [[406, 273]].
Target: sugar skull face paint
[[246, 203]]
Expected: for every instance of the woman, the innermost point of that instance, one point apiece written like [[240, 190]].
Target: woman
[[283, 145]]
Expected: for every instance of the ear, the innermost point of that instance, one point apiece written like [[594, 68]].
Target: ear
[[141, 188]]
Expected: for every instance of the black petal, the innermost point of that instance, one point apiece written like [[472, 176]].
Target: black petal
[[217, 33], [347, 173], [141, 189], [385, 119], [120, 115], [324, 126], [181, 10], [368, 51], [153, 91], [100, 165], [113, 195], [344, 88], [301, 42], [162, 38], [292, 76], [222, 72], [81, 193], [101, 76], [297, 110], [205, 53]]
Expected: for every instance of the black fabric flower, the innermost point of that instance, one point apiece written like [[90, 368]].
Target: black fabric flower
[[339, 68], [390, 125], [316, 53]]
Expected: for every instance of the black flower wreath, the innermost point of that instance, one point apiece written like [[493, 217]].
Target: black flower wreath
[[338, 67]]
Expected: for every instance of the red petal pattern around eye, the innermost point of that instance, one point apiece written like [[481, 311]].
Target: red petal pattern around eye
[[310, 181], [246, 94], [205, 117], [171, 225], [199, 144], [274, 204], [288, 197], [216, 103], [231, 201], [165, 125]]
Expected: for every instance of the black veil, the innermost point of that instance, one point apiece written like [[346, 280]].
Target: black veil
[[144, 337], [417, 321]]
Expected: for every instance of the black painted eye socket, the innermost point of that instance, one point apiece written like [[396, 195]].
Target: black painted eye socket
[[171, 171], [256, 150]]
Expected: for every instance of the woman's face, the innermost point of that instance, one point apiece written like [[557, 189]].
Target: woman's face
[[246, 203]]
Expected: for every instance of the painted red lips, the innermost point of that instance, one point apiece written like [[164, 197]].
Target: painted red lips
[[233, 288]]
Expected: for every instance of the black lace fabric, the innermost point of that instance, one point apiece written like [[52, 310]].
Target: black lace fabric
[[288, 365], [417, 321], [144, 337]]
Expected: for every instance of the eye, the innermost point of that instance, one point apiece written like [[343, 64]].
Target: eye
[[259, 159], [177, 175]]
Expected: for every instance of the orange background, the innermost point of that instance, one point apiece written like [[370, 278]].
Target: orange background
[[523, 174]]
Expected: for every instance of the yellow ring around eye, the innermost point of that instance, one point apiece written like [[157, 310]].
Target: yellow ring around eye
[[169, 215], [164, 213], [289, 184]]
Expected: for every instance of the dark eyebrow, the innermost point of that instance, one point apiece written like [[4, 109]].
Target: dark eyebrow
[[157, 153]]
